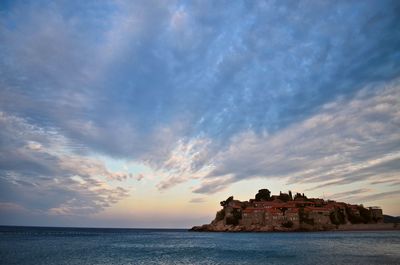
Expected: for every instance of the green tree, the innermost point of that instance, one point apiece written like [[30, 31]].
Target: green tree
[[237, 214], [220, 215], [234, 218], [304, 218], [365, 215], [224, 203], [263, 195], [337, 217]]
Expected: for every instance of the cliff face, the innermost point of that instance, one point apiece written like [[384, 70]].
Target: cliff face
[[284, 212]]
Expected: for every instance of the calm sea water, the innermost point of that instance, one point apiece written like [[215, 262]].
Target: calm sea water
[[81, 246]]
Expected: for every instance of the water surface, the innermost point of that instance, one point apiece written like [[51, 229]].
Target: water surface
[[95, 246]]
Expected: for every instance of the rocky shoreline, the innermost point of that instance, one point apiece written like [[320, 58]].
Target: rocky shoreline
[[255, 228]]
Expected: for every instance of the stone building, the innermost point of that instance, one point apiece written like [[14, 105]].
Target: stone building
[[253, 216], [298, 213], [320, 215], [274, 217], [293, 216], [354, 210], [376, 214]]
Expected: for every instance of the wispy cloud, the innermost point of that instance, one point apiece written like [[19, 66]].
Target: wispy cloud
[[350, 193], [344, 143], [132, 79], [386, 181], [303, 92], [38, 171], [379, 196], [197, 200], [366, 196]]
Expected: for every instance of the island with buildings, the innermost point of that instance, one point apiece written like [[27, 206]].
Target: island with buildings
[[285, 212]]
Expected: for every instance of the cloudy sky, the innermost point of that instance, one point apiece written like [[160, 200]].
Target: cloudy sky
[[148, 113]]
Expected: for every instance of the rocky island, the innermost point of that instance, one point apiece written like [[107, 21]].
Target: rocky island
[[285, 212]]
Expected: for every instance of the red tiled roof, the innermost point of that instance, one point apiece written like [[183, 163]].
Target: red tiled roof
[[317, 209], [330, 206], [272, 210], [252, 210], [304, 202], [268, 203], [335, 204]]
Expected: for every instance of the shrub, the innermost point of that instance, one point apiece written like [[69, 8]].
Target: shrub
[[288, 224], [237, 214], [231, 220], [354, 219], [303, 217], [334, 219], [220, 215], [337, 217]]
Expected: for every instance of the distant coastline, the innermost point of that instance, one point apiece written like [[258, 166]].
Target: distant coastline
[[288, 213]]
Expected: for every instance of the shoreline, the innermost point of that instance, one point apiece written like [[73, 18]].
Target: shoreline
[[342, 228], [370, 227]]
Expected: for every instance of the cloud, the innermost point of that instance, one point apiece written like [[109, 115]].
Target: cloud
[[347, 194], [190, 159], [386, 181], [9, 206], [364, 195], [39, 172], [197, 200], [132, 79], [139, 177], [379, 196], [348, 141], [212, 186], [293, 91]]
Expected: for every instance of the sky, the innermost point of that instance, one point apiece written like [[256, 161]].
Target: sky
[[149, 113]]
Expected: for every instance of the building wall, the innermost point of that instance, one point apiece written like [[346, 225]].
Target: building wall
[[253, 218], [274, 219], [294, 218], [377, 214], [320, 218]]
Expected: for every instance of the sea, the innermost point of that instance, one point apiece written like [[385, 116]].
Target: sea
[[98, 246]]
